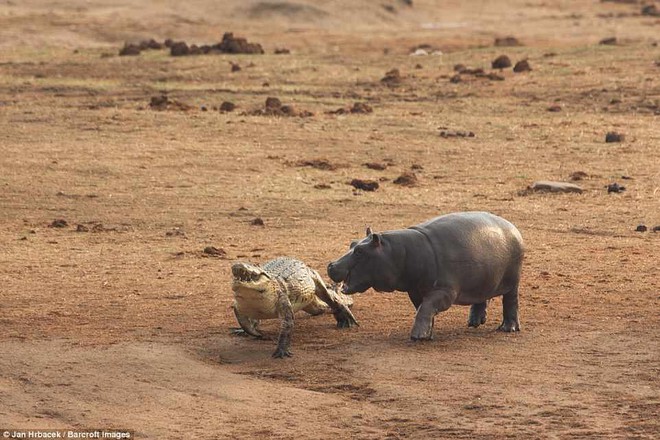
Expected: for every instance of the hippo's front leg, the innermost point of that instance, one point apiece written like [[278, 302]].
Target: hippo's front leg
[[433, 302]]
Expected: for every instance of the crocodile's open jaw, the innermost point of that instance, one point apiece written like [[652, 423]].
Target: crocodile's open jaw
[[250, 276]]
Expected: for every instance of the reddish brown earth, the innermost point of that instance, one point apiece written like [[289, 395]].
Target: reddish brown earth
[[120, 319]]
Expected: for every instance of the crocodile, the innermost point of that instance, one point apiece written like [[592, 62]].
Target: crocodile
[[278, 289]]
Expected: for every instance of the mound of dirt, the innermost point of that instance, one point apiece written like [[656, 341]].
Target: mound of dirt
[[392, 78], [501, 62], [406, 179], [129, 50], [135, 49], [507, 42], [358, 107], [376, 166], [319, 164], [613, 136], [162, 102], [231, 44], [456, 133], [273, 107], [227, 106], [365, 185], [522, 66]]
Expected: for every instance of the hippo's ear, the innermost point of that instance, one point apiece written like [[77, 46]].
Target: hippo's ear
[[376, 240], [369, 231]]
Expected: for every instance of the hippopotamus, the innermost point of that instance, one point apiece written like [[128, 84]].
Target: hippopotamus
[[463, 258]]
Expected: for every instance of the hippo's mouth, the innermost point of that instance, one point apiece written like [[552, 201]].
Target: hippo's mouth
[[348, 289]]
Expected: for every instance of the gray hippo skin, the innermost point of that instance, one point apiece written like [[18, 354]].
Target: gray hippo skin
[[462, 258]]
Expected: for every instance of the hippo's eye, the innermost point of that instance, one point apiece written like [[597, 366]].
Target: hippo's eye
[[358, 251]]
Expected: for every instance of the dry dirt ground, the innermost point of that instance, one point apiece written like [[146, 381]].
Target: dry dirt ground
[[125, 323]]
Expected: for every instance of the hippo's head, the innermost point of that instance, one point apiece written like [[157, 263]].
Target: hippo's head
[[368, 263]]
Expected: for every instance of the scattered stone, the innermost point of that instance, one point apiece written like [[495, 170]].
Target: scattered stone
[[419, 53], [610, 41], [494, 77], [406, 179], [578, 175], [59, 223], [554, 108], [82, 228], [151, 44], [416, 166], [176, 232], [234, 45], [162, 102], [613, 136], [460, 68], [651, 10], [507, 42], [615, 188], [227, 106], [656, 228], [214, 251], [361, 107], [179, 49], [365, 185], [322, 186], [129, 50], [455, 133], [282, 51], [235, 67], [274, 107], [626, 177], [501, 62], [319, 164], [455, 79], [257, 222], [392, 78], [641, 228], [376, 166], [522, 66], [544, 186]]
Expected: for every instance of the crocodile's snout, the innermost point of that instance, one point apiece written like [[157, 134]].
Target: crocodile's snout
[[242, 272]]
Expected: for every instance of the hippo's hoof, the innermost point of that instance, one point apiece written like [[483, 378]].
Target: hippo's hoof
[[421, 335], [476, 321], [282, 353], [509, 326], [345, 319]]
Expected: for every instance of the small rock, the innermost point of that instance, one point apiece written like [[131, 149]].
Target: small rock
[[578, 175], [322, 186], [365, 185], [416, 166], [460, 68], [501, 62], [507, 42], [455, 79], [59, 223], [554, 187], [651, 10], [613, 136], [456, 133], [376, 166], [641, 228], [82, 228], [406, 179], [273, 103], [129, 50], [656, 228], [214, 251], [235, 67], [392, 78], [179, 49], [554, 108], [319, 164], [227, 106], [257, 222], [610, 41], [615, 188], [522, 66], [361, 107], [282, 51], [419, 53]]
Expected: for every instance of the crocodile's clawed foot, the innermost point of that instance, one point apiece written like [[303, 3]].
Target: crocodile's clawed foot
[[345, 319], [237, 331], [282, 353]]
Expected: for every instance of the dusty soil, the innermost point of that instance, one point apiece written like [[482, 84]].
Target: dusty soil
[[114, 320]]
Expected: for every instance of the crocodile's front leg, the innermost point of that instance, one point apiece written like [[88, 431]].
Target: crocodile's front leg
[[285, 313], [338, 302]]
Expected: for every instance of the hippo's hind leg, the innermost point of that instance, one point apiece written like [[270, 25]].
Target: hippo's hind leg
[[510, 321], [432, 303], [477, 314], [316, 307]]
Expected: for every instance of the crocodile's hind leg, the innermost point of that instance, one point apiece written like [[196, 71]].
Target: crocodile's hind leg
[[248, 325], [338, 302], [317, 307]]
